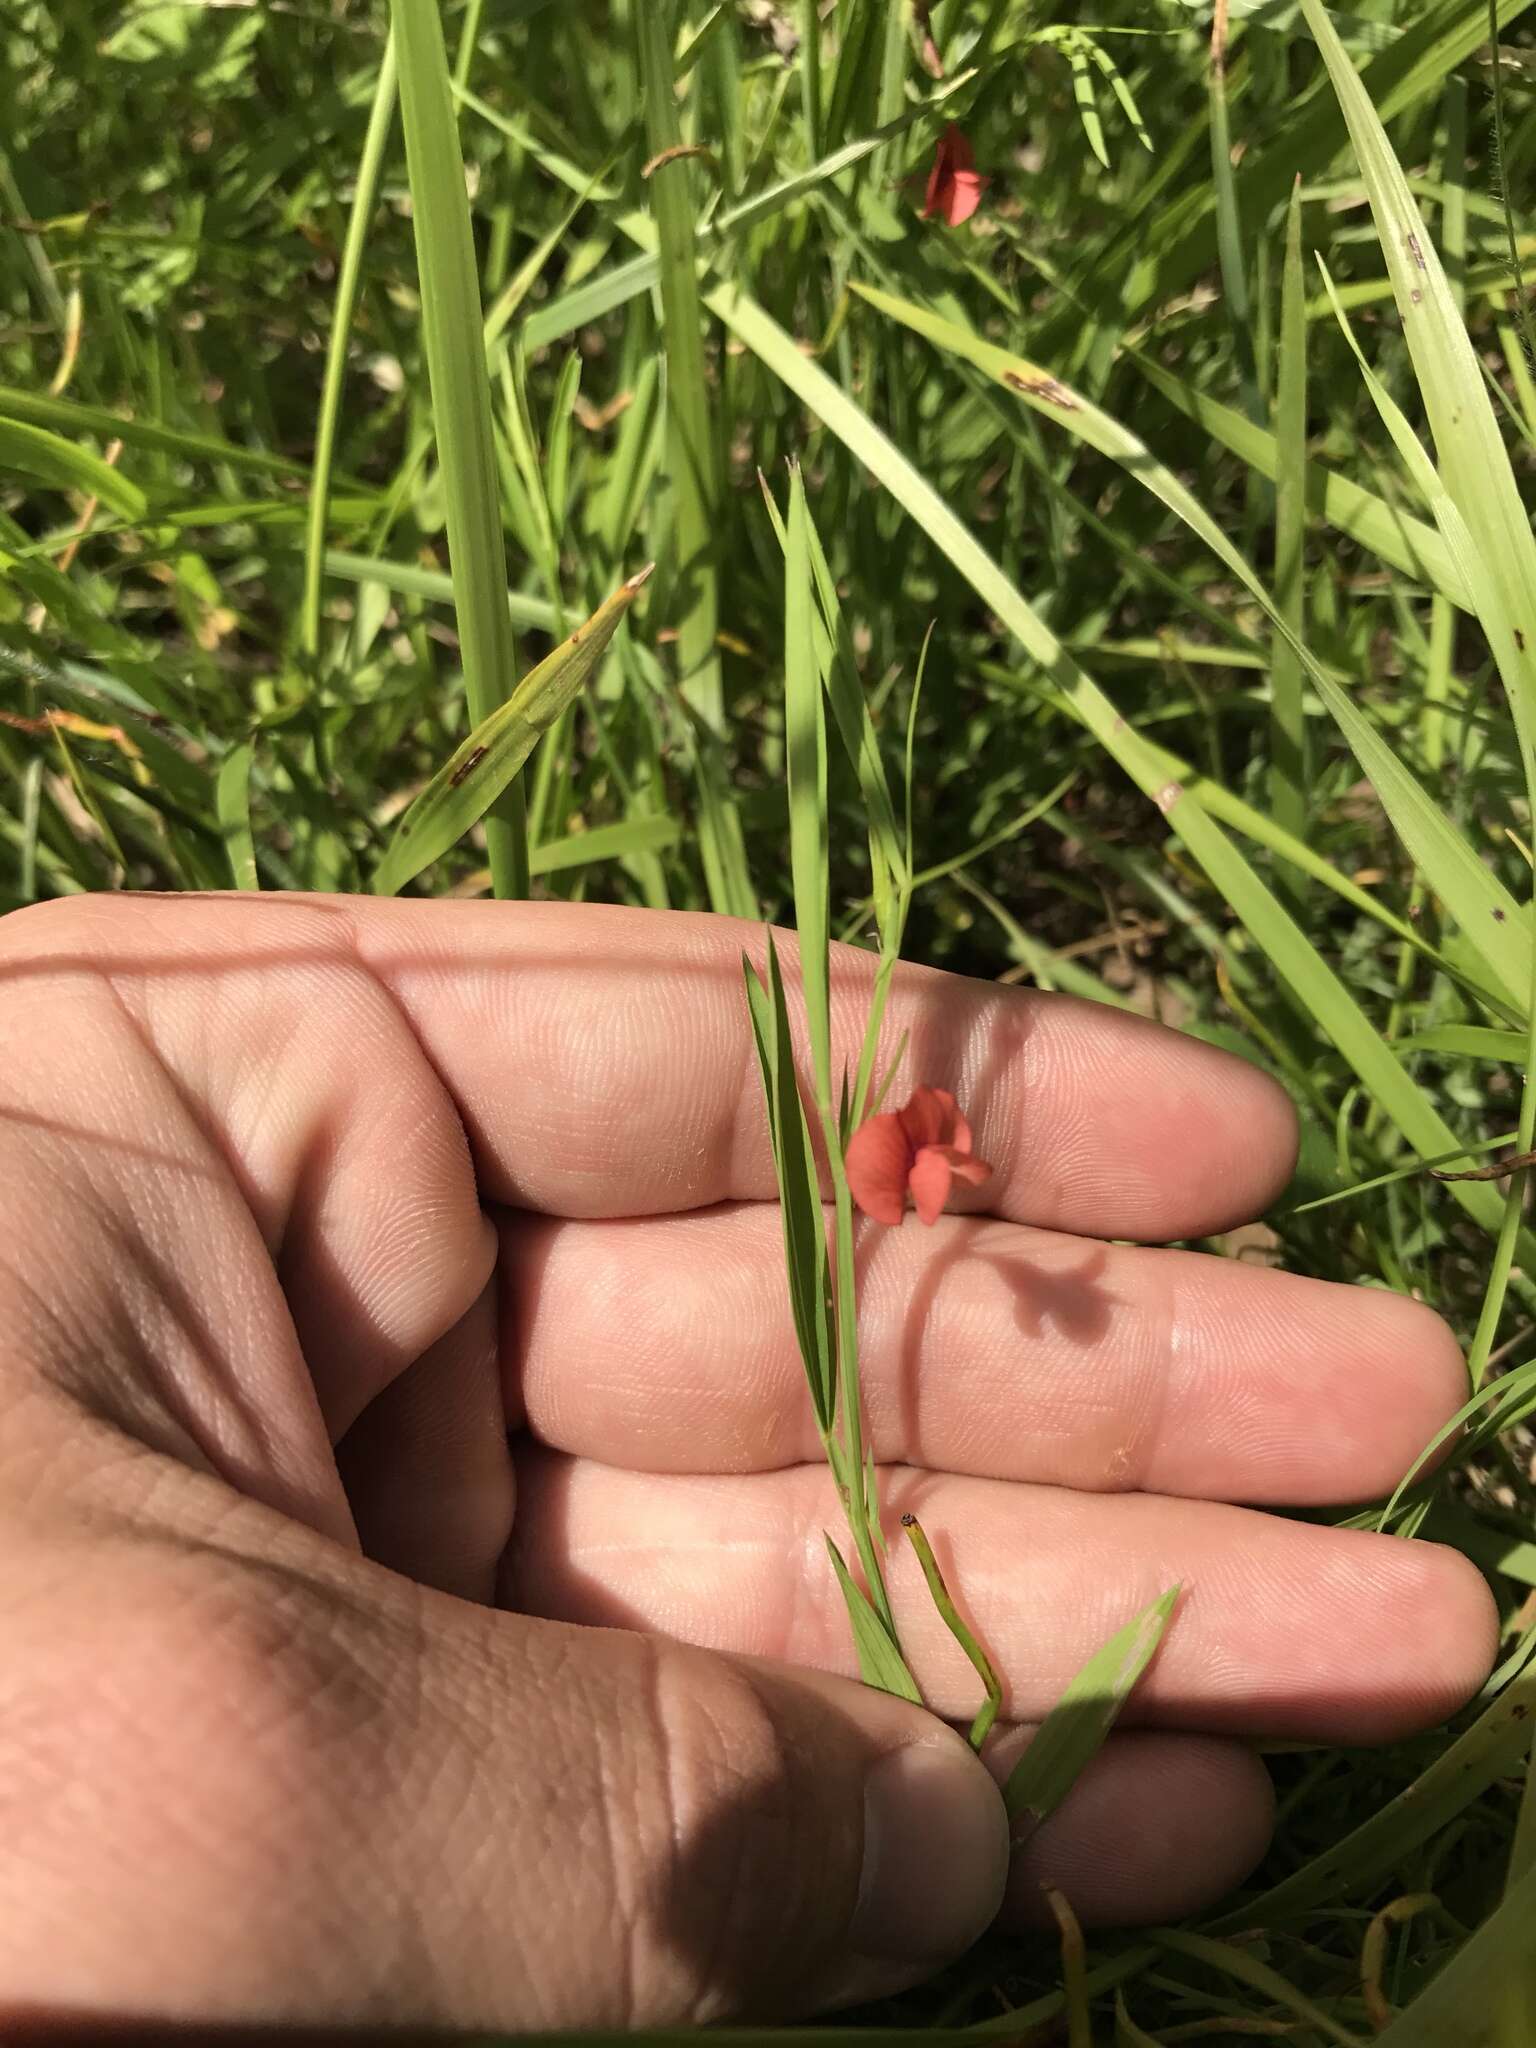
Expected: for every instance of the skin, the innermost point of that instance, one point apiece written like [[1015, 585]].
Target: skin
[[414, 1605]]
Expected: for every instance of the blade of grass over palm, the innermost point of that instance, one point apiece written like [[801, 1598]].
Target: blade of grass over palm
[[411, 580], [466, 786], [1258, 1976], [365, 194], [805, 760], [1311, 980], [692, 455], [1074, 1730], [805, 1240], [1289, 779], [1461, 1773], [880, 1662], [949, 1614], [452, 332], [1483, 907], [48, 458], [1400, 539], [232, 798]]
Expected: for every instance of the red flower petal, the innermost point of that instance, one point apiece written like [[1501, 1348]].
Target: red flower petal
[[929, 1117], [878, 1161], [929, 1181], [964, 196]]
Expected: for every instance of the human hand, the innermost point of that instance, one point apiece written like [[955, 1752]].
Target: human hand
[[307, 1204]]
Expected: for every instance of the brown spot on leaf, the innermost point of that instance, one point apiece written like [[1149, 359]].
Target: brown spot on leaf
[[1044, 388], [1168, 796], [470, 760], [1416, 251]]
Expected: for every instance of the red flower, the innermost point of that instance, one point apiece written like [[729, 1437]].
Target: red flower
[[955, 185], [922, 1150]]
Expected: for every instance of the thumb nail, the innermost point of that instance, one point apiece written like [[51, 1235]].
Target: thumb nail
[[935, 1863]]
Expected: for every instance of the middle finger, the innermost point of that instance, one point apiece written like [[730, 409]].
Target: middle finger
[[988, 1349]]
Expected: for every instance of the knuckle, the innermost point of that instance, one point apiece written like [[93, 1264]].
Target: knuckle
[[741, 1858]]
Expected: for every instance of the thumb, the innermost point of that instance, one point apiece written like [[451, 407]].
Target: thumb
[[342, 1797]]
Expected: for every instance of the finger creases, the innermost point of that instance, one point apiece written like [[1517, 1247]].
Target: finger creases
[[1397, 1635], [986, 1348], [602, 1059]]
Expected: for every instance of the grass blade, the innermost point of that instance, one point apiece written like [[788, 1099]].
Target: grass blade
[[1073, 1732], [692, 456], [370, 165], [49, 459], [1288, 725], [950, 1615], [232, 798], [880, 1662], [474, 777], [452, 331]]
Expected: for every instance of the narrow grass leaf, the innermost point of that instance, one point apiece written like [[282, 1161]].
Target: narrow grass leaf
[[1074, 1730], [1367, 1855], [1486, 1992], [348, 278], [1288, 725], [452, 329], [800, 1210], [49, 459], [949, 1614], [412, 580], [805, 758], [1246, 1968], [232, 802], [880, 1662], [692, 455], [474, 777]]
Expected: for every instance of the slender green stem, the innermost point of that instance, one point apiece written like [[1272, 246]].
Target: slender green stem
[[690, 427], [370, 164], [943, 1600]]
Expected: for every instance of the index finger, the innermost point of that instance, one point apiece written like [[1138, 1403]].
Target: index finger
[[602, 1064], [603, 1061]]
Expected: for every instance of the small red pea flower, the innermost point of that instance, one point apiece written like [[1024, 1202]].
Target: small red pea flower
[[955, 186], [920, 1150]]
